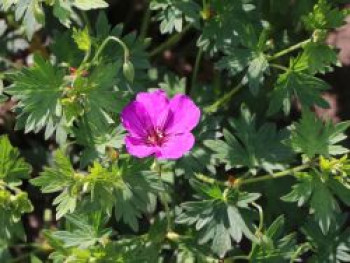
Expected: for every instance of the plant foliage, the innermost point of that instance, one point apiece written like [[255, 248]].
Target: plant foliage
[[263, 176]]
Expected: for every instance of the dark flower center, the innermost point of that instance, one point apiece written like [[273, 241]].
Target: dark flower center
[[156, 137]]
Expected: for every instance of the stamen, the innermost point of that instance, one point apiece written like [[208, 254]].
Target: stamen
[[156, 137]]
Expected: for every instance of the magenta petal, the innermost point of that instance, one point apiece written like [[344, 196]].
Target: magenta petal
[[136, 120], [138, 148], [155, 102], [185, 114], [176, 146]]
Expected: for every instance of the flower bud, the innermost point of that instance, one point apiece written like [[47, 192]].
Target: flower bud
[[129, 71]]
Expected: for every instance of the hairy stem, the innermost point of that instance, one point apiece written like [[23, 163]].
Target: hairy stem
[[173, 40], [212, 108], [261, 217], [277, 66], [275, 175], [196, 68], [290, 49], [145, 21], [301, 249], [240, 182], [162, 198], [104, 44]]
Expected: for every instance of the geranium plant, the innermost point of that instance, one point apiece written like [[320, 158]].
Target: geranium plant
[[171, 131]]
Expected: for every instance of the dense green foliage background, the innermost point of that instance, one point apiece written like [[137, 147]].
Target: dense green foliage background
[[267, 180]]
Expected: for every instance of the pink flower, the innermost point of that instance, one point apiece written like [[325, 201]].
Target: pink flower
[[160, 126]]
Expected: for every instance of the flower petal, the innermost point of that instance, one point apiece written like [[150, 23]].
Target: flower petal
[[176, 146], [155, 102], [136, 147], [136, 119], [184, 115]]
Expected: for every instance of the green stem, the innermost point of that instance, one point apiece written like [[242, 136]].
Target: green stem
[[162, 198], [275, 175], [290, 49], [209, 180], [104, 44], [301, 249], [261, 217], [241, 257], [170, 42], [83, 63], [145, 21], [196, 68], [212, 108], [86, 20], [277, 66], [262, 178]]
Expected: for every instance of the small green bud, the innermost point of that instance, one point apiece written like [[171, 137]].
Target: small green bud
[[129, 71]]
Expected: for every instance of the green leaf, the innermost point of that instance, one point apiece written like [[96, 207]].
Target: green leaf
[[255, 64], [12, 207], [29, 10], [228, 24], [301, 192], [41, 85], [321, 58], [257, 67], [83, 235], [295, 82], [324, 16], [100, 100], [65, 49], [137, 193], [66, 203], [340, 190], [325, 143], [319, 195], [173, 84], [96, 141], [274, 247], [218, 218], [251, 146], [114, 54], [13, 202], [63, 11], [324, 206], [200, 158], [332, 247], [128, 186], [13, 168], [88, 5], [251, 59], [133, 250], [172, 14], [56, 178], [61, 177], [82, 39]]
